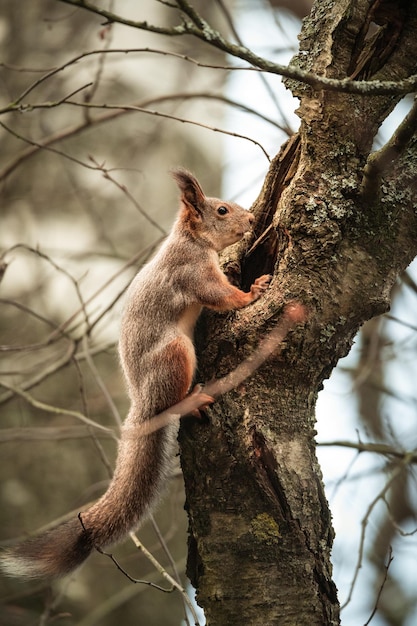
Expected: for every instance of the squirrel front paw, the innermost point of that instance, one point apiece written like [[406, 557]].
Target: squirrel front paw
[[260, 285]]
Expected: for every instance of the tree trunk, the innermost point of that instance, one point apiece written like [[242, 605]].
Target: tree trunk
[[339, 226]]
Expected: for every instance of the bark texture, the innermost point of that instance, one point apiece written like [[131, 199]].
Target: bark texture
[[335, 226]]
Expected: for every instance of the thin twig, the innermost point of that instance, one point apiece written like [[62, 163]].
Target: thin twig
[[139, 545], [213, 38], [376, 448], [67, 357], [112, 115], [49, 433], [384, 580], [170, 559], [122, 570], [128, 195], [100, 383], [364, 523], [167, 116], [174, 585], [37, 404]]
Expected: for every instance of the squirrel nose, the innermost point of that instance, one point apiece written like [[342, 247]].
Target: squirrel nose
[[251, 218]]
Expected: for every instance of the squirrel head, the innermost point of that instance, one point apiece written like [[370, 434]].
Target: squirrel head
[[214, 221]]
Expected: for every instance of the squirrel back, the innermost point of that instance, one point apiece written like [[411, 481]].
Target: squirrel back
[[158, 359]]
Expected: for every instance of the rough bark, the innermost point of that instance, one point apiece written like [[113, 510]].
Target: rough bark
[[335, 227]]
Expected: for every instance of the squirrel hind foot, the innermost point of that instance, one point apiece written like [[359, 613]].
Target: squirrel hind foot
[[203, 400]]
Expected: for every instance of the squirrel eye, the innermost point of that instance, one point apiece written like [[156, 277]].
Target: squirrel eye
[[222, 210]]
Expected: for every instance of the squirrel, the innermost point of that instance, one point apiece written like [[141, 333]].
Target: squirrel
[[158, 360]]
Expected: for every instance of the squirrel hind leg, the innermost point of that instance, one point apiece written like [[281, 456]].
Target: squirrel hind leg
[[176, 375]]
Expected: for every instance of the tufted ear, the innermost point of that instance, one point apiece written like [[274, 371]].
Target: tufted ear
[[191, 193]]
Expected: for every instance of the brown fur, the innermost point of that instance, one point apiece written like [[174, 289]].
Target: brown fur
[[158, 360]]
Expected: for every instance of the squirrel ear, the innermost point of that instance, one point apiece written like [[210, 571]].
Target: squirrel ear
[[191, 193]]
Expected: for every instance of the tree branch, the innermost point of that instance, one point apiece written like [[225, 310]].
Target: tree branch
[[382, 161], [376, 448], [113, 114], [365, 520], [48, 408], [212, 37]]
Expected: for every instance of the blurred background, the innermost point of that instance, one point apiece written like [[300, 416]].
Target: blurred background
[[85, 197]]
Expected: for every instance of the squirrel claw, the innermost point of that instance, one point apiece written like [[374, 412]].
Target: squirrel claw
[[263, 281], [203, 398]]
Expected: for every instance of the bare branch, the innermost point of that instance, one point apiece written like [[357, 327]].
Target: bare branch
[[127, 193], [139, 545], [35, 346], [70, 354], [55, 367], [382, 161], [124, 572], [106, 117], [45, 147], [384, 580], [100, 383], [48, 408], [375, 448], [49, 433], [169, 117], [201, 29], [174, 585], [116, 111], [380, 496]]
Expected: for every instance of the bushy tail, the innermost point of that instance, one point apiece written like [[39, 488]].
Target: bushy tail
[[142, 466], [56, 552]]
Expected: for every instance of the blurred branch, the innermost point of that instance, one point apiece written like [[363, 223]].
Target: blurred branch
[[31, 70], [169, 556], [408, 280], [375, 448], [199, 28], [117, 111], [71, 352], [48, 408], [139, 545], [391, 393], [381, 162], [169, 117], [384, 580], [45, 257], [113, 602], [58, 332], [365, 520], [126, 192], [174, 585], [41, 376], [100, 383], [401, 322], [271, 93], [46, 147], [49, 433]]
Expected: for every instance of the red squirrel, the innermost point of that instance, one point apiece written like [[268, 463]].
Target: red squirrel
[[158, 359]]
